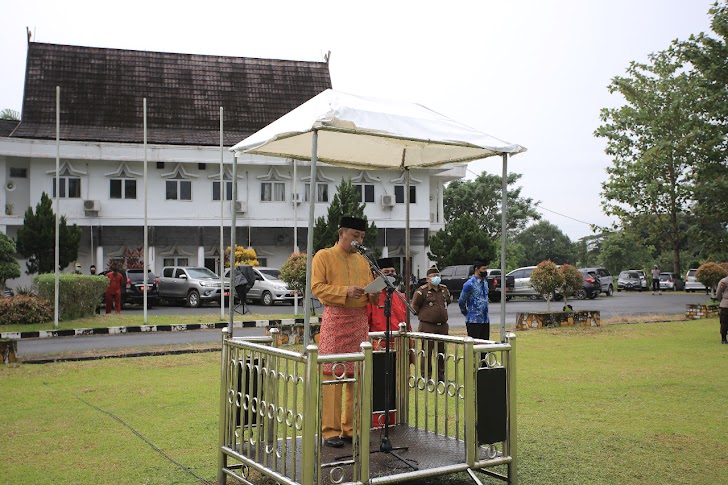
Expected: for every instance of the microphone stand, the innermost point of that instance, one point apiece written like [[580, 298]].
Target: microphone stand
[[386, 445]]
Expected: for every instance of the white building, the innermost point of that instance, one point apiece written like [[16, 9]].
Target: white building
[[102, 155]]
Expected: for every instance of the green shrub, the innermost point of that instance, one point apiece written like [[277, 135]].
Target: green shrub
[[25, 309], [710, 274], [78, 295]]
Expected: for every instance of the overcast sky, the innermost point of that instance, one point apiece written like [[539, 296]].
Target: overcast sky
[[532, 72]]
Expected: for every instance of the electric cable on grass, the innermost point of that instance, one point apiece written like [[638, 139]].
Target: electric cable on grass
[[143, 438]]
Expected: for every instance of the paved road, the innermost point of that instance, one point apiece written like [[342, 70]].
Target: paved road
[[619, 304]]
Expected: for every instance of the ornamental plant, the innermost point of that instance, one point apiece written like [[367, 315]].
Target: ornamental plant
[[242, 256], [293, 272], [25, 309], [710, 274], [78, 295], [546, 279], [573, 281]]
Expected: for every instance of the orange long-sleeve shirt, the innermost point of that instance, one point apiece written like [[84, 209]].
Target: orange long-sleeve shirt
[[333, 270]]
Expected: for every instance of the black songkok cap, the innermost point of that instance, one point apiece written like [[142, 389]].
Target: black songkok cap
[[353, 223], [385, 263]]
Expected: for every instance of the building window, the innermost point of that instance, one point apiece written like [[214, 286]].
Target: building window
[[322, 192], [18, 173], [179, 190], [366, 192], [228, 190], [272, 192], [399, 194], [176, 262], [70, 187], [122, 189]]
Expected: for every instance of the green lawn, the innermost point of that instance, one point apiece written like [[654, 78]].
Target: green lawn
[[642, 403]]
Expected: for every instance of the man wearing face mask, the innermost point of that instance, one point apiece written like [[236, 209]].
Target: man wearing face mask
[[430, 302], [473, 302], [377, 319]]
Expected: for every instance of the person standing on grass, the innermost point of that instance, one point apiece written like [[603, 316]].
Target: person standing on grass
[[656, 280], [722, 296], [113, 291], [338, 277]]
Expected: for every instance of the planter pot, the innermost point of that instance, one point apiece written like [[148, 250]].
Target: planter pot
[[694, 312], [581, 318]]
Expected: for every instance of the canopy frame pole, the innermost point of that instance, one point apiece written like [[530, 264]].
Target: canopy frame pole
[[309, 242], [222, 232], [145, 268], [407, 253], [233, 230], [57, 255], [504, 208]]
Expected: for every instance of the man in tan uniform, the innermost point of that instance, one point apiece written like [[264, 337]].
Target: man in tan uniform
[[430, 302], [338, 277]]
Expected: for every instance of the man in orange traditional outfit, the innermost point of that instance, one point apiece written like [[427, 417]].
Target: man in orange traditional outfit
[[338, 277]]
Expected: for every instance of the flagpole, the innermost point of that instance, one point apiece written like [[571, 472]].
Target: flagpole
[[222, 249], [145, 268], [57, 260]]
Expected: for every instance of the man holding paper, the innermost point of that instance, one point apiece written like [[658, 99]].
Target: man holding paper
[[339, 275]]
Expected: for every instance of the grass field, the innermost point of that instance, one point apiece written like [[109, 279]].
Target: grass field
[[642, 403]]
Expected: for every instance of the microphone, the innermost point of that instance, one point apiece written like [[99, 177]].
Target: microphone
[[359, 246]]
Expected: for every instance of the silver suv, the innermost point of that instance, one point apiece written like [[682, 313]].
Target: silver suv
[[605, 279]]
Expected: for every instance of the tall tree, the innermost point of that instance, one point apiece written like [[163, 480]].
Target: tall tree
[[709, 57], [544, 241], [622, 251], [461, 242], [481, 199], [36, 239], [346, 202], [652, 140], [9, 267]]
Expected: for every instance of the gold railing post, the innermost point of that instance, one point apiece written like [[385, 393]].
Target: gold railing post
[[469, 383], [402, 374], [223, 419], [512, 411], [366, 410], [311, 424]]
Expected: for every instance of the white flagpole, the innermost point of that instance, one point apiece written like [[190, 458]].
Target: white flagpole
[[57, 260], [145, 268], [222, 249]]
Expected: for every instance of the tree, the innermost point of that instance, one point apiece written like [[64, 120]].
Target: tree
[[293, 272], [36, 238], [9, 267], [573, 281], [481, 199], [652, 140], [710, 274], [622, 251], [9, 114], [545, 241], [346, 202], [709, 58], [242, 256], [461, 242], [546, 279]]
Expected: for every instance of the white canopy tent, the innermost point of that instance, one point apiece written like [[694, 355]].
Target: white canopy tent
[[366, 133]]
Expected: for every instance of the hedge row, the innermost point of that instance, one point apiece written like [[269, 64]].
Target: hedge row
[[78, 295], [25, 309]]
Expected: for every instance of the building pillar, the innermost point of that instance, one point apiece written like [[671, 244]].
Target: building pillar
[[100, 263], [200, 256]]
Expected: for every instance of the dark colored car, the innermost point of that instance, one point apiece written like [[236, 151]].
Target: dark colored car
[[454, 277], [629, 280], [132, 291], [592, 287]]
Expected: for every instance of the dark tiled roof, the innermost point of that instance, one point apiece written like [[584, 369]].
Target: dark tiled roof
[[7, 127], [102, 92]]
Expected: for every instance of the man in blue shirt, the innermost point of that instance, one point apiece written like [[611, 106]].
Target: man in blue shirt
[[473, 302]]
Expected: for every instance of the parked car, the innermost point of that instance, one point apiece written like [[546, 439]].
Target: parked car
[[268, 287], [190, 284], [522, 282], [671, 281], [692, 284], [591, 288], [643, 277], [605, 279], [630, 280], [132, 291]]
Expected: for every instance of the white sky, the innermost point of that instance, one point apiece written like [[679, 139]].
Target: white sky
[[532, 72]]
